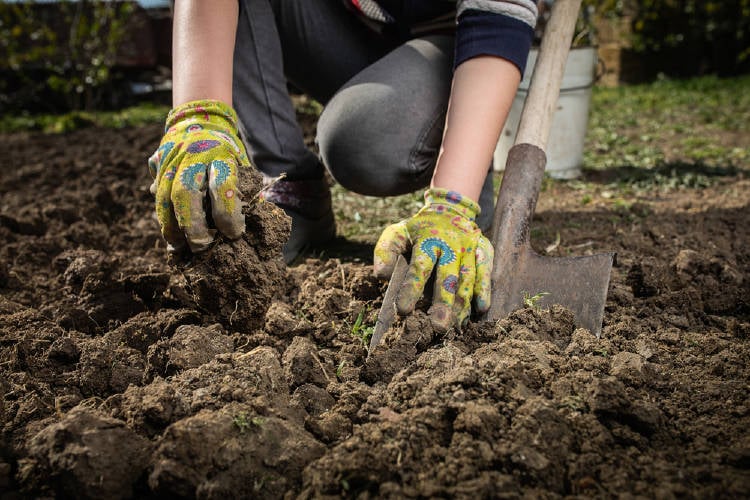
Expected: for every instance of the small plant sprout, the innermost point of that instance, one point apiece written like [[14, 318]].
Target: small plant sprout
[[363, 333], [532, 301], [340, 368], [243, 423]]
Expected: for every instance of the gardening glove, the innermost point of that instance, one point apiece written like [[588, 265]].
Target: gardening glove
[[200, 152], [442, 235]]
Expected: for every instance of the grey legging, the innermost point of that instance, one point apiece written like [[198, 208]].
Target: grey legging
[[385, 102]]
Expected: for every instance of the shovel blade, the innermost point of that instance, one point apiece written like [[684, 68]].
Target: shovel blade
[[576, 283]]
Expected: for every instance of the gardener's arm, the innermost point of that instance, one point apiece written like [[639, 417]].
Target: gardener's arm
[[482, 93], [197, 161], [492, 44], [493, 39], [202, 50]]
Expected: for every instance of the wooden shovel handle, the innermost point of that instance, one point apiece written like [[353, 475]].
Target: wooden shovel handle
[[539, 109]]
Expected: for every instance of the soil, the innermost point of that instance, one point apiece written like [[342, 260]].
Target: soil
[[230, 375]]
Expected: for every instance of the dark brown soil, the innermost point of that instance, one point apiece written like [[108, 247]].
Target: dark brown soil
[[231, 376]]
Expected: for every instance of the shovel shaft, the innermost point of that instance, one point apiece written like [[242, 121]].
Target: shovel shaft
[[539, 108], [517, 199]]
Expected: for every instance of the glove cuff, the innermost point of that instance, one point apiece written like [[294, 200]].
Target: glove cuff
[[440, 199], [204, 111]]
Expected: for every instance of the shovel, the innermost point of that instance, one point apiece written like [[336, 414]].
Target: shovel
[[577, 283]]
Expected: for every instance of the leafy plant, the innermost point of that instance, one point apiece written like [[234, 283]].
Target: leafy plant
[[67, 48], [713, 34]]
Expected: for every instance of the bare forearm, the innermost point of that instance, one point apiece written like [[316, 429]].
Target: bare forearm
[[202, 50], [481, 96]]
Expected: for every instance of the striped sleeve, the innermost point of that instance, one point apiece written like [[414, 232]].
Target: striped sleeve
[[502, 28]]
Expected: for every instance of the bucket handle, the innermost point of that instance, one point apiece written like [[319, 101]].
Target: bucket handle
[[601, 70]]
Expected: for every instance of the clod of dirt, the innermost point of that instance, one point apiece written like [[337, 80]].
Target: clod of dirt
[[329, 427], [236, 281], [555, 325], [231, 453], [398, 348], [254, 379], [81, 265], [189, 347], [143, 330], [302, 365], [315, 400], [281, 321], [632, 368], [107, 368], [86, 455]]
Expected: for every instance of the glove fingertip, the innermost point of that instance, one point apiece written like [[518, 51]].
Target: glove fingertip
[[231, 224], [408, 294], [483, 281], [382, 267], [393, 241], [441, 317], [200, 241]]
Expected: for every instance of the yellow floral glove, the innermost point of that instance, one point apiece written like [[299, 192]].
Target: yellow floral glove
[[200, 152], [442, 234]]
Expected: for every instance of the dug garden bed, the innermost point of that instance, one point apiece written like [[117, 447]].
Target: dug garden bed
[[231, 375]]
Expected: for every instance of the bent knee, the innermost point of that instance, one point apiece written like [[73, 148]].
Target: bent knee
[[367, 149]]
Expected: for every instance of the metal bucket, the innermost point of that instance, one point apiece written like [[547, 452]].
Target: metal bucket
[[565, 146]]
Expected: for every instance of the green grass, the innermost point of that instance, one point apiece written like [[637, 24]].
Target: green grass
[[695, 121], [128, 117]]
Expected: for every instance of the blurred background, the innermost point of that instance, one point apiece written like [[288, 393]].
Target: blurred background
[[58, 56]]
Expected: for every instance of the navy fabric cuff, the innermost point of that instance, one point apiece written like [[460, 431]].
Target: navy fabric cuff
[[486, 33]]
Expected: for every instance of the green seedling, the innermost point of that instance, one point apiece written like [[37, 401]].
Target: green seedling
[[359, 330], [243, 423], [532, 301], [340, 368]]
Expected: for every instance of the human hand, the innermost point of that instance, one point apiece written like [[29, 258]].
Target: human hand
[[200, 152], [442, 234]]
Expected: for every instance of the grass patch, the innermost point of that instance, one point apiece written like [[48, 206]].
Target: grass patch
[[358, 215], [697, 121], [134, 116]]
